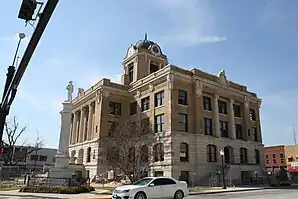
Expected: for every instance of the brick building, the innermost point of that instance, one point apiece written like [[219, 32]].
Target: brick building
[[282, 156], [197, 113]]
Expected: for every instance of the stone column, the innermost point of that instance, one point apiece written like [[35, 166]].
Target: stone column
[[232, 119], [74, 128], [62, 157], [90, 118], [78, 128], [81, 126], [246, 118], [85, 126], [216, 116], [71, 129]]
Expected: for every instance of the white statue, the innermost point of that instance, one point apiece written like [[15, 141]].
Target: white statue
[[69, 89]]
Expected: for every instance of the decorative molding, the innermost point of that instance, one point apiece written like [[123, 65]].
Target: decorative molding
[[259, 102], [98, 96], [80, 92], [246, 101], [151, 87], [170, 80], [138, 93], [199, 88], [222, 78], [216, 96]]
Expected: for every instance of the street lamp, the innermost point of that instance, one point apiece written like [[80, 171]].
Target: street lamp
[[14, 77], [222, 154], [257, 181]]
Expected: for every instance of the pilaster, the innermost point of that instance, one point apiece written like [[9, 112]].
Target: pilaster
[[232, 119], [246, 118], [216, 116]]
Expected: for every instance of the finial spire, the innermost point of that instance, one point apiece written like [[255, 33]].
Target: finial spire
[[145, 36]]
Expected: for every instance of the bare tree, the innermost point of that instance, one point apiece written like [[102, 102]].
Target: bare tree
[[128, 148], [13, 132]]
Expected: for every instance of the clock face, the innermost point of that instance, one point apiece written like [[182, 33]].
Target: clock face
[[155, 49]]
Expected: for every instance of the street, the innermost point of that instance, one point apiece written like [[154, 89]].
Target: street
[[260, 194]]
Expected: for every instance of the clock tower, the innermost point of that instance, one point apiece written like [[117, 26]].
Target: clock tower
[[142, 59]]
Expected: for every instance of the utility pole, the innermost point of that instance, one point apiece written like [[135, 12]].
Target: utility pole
[[294, 134], [14, 77]]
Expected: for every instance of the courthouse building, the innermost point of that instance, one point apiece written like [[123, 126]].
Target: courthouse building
[[197, 114]]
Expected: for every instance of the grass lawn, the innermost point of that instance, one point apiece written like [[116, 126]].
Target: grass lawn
[[9, 187]]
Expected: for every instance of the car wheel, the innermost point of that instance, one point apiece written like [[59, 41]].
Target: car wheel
[[140, 195], [179, 195]]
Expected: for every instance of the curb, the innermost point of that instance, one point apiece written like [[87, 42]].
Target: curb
[[222, 191]]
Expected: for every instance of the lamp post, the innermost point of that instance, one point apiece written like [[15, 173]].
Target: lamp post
[[4, 111], [222, 154], [14, 77], [257, 181]]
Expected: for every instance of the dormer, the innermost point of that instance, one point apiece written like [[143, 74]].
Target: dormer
[[141, 60]]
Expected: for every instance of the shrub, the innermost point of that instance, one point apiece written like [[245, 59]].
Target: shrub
[[58, 190]]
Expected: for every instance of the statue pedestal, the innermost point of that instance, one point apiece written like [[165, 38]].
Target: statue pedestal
[[61, 175]]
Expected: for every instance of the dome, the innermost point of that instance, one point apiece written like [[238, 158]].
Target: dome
[[144, 43]]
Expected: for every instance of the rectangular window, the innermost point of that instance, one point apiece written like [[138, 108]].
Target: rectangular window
[[274, 158], [145, 103], [255, 134], [207, 103], [130, 72], [182, 97], [224, 131], [239, 133], [43, 158], [222, 107], [183, 124], [237, 110], [34, 157], [208, 126], [159, 98], [252, 114], [211, 153], [133, 108], [115, 108], [159, 123]]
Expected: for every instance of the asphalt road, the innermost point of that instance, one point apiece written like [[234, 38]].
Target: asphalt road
[[259, 194]]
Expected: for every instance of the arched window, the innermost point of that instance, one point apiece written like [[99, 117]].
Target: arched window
[[211, 153], [158, 152], [229, 154], [144, 153], [243, 156], [184, 152], [88, 158], [257, 156]]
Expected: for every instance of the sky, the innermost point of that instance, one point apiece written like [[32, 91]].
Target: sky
[[254, 41]]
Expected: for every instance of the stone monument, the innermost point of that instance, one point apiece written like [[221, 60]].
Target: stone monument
[[61, 174]]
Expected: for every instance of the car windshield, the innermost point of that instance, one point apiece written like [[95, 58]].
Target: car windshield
[[143, 181]]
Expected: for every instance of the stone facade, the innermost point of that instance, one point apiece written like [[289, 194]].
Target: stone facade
[[201, 112]]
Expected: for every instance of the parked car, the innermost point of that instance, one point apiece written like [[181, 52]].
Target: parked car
[[151, 188]]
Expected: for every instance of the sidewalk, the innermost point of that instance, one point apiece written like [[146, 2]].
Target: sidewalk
[[229, 189]]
